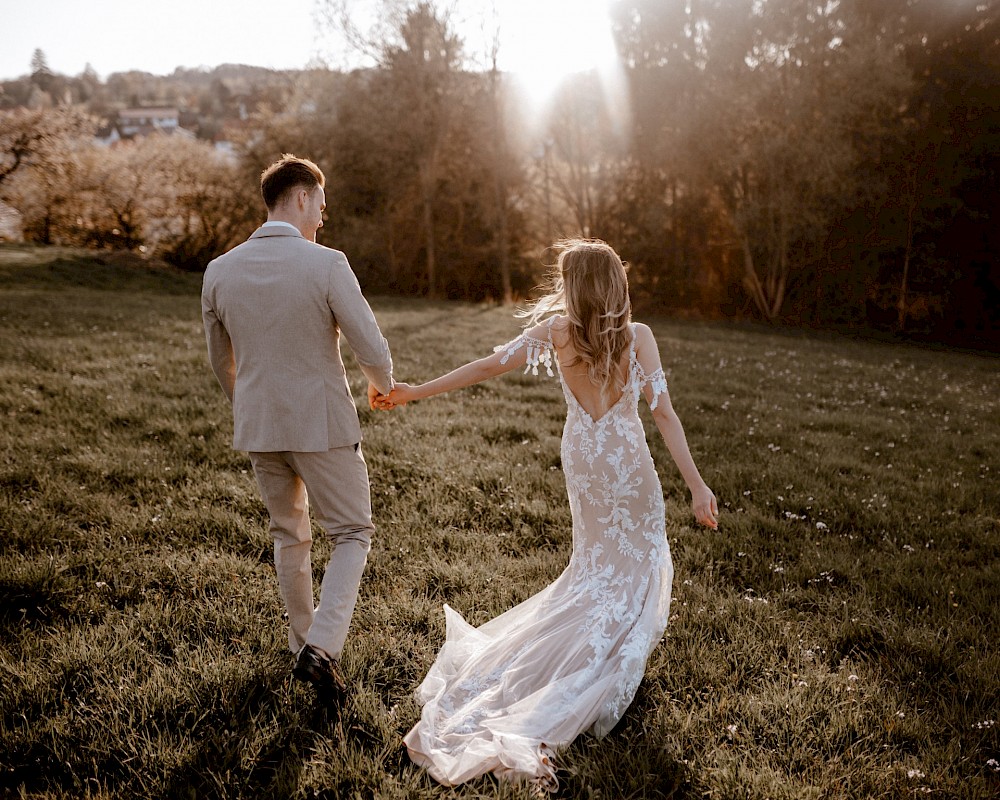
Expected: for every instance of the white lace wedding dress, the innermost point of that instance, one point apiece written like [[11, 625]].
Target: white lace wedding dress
[[502, 697]]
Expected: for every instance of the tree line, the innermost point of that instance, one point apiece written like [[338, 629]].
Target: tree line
[[819, 164]]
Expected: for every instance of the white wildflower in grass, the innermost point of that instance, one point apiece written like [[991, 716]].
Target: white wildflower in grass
[[915, 773], [909, 548], [821, 526], [993, 764], [985, 724], [731, 729], [901, 714]]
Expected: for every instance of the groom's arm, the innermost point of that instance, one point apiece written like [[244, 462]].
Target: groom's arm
[[357, 322], [220, 347]]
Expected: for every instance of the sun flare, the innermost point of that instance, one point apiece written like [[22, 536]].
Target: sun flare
[[545, 41]]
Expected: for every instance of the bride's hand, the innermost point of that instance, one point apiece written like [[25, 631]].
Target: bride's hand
[[705, 507], [401, 394]]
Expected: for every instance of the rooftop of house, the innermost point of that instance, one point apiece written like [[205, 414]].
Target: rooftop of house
[[147, 113]]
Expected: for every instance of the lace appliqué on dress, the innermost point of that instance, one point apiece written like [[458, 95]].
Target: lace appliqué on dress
[[657, 382], [539, 352]]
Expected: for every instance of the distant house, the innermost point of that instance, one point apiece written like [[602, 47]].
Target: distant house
[[132, 123], [11, 224], [143, 121], [225, 137], [107, 135]]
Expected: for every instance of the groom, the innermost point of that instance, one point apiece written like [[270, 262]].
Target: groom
[[274, 309]]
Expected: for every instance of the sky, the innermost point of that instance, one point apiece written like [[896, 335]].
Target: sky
[[155, 36], [540, 38]]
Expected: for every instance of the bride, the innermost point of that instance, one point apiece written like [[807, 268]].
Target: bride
[[504, 696]]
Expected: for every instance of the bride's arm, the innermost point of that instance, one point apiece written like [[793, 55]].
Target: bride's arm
[[474, 372], [703, 501], [509, 357]]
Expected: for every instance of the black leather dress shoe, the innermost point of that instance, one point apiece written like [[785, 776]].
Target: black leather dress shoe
[[323, 673]]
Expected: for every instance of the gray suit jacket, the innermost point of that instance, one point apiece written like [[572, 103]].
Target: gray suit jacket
[[274, 308]]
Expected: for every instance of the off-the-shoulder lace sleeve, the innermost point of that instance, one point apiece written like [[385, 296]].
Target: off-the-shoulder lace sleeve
[[657, 381], [539, 352]]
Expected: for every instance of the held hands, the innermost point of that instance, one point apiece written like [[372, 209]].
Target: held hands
[[375, 398], [401, 394], [705, 507]]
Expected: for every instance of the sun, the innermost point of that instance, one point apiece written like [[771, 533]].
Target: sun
[[543, 42]]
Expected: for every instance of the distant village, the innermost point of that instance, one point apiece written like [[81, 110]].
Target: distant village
[[209, 104], [215, 106], [131, 123], [128, 124]]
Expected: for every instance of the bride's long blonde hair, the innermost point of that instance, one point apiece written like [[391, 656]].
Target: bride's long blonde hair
[[588, 283]]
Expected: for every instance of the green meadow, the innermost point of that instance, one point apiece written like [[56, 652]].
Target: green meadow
[[835, 638]]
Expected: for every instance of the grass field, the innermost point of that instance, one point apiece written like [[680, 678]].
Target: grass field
[[836, 637]]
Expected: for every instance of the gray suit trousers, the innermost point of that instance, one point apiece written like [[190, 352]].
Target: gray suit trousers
[[335, 483]]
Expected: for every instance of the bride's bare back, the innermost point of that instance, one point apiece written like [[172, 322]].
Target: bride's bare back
[[578, 381]]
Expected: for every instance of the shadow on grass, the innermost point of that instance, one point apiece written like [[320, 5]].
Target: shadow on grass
[[245, 737], [622, 766], [32, 593], [252, 746]]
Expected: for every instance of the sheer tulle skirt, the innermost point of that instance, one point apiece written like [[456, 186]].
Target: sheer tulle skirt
[[502, 697]]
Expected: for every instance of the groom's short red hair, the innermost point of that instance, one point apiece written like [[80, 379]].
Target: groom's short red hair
[[288, 173]]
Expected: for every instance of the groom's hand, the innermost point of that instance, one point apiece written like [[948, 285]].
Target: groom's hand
[[378, 401], [375, 398]]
